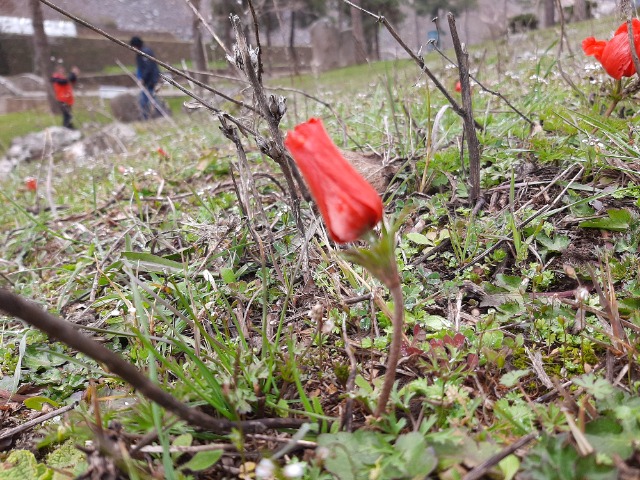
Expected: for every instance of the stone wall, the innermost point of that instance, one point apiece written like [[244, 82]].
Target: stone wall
[[90, 54]]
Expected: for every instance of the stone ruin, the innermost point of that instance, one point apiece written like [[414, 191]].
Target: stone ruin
[[112, 138], [332, 48]]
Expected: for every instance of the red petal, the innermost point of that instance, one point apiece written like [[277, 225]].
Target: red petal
[[615, 55], [349, 205], [593, 47]]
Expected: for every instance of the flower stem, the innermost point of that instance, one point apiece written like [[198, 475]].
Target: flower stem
[[396, 341], [616, 96]]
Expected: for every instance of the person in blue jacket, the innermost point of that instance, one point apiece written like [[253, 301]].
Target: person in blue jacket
[[148, 74]]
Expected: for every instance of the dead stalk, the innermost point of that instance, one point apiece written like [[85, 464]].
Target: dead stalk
[[473, 144], [627, 12]]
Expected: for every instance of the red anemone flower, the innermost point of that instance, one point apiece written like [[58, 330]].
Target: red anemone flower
[[31, 183], [615, 54], [349, 205]]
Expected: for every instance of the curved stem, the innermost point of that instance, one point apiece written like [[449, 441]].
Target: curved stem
[[616, 96], [396, 341]]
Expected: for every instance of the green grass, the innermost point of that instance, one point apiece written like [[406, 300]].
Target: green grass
[[21, 123]]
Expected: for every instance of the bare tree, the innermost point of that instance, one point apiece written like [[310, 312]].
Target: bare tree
[[549, 13], [358, 33], [198, 55], [41, 51], [580, 10]]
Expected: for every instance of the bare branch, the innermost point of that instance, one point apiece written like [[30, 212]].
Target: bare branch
[[469, 123], [627, 10], [487, 89], [418, 59], [208, 27]]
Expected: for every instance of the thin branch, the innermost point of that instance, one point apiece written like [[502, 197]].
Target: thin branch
[[10, 432], [147, 93], [627, 10], [479, 471], [272, 110], [487, 89], [208, 27], [139, 52], [563, 39], [473, 144], [347, 416], [256, 30], [418, 59], [318, 100]]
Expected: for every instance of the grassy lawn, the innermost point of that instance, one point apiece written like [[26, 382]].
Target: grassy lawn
[[185, 254], [21, 123]]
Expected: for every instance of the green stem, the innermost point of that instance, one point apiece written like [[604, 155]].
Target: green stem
[[396, 342], [616, 96]]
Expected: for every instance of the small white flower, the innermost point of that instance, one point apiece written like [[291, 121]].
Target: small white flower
[[322, 453], [265, 469], [294, 470], [582, 294], [327, 326]]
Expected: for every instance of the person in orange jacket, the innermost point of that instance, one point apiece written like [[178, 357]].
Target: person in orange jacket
[[63, 90]]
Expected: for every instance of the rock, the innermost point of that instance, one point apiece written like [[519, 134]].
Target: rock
[[126, 108], [36, 145], [112, 138], [331, 48], [372, 168], [324, 39]]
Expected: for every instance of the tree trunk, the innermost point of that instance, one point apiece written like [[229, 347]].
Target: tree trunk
[[376, 42], [41, 52], [292, 42], [416, 26], [549, 13], [358, 33], [580, 10], [197, 48]]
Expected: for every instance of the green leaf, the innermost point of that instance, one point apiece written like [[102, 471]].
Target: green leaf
[[434, 322], [555, 457], [22, 465], [600, 388], [153, 263], [203, 460], [36, 403], [617, 220], [68, 459], [353, 456], [558, 243], [418, 460], [184, 440], [509, 466], [228, 276], [419, 238], [511, 378], [607, 436], [510, 282]]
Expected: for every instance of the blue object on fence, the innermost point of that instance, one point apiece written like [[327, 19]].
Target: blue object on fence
[[433, 38]]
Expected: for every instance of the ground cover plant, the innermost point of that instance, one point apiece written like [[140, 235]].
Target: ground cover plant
[[199, 259]]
